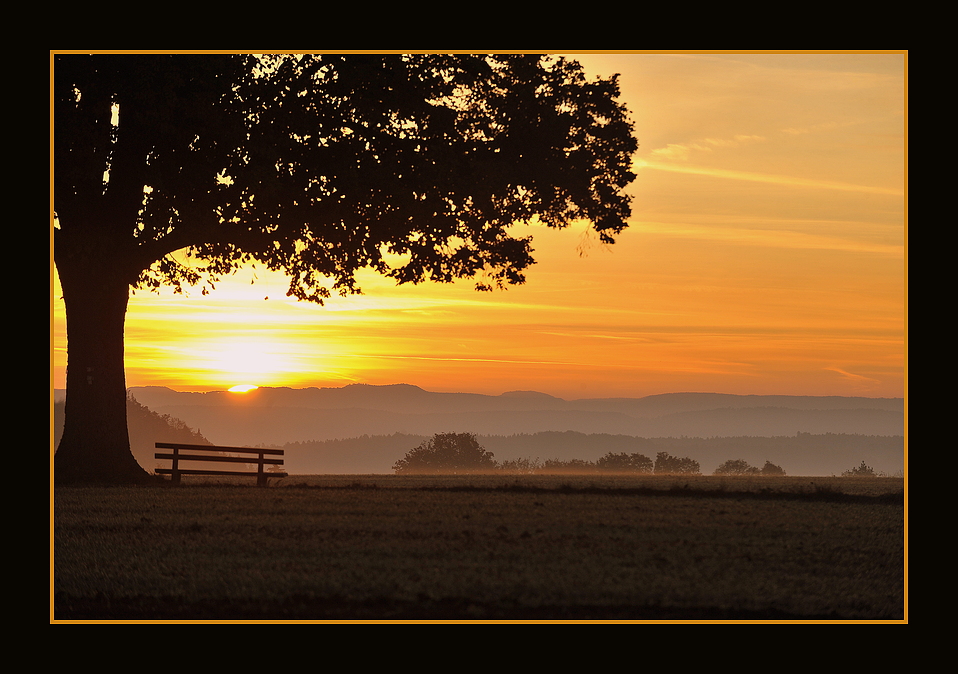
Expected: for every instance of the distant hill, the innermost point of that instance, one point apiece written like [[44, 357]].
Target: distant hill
[[282, 415], [363, 429], [146, 428], [799, 454]]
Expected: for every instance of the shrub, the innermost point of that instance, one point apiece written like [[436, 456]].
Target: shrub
[[771, 469], [735, 467], [861, 471], [447, 453], [741, 467], [625, 463], [664, 463]]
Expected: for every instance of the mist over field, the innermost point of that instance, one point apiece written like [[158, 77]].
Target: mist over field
[[363, 429]]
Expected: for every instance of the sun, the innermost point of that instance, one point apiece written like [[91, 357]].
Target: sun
[[243, 388]]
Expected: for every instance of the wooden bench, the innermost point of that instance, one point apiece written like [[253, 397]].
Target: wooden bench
[[177, 456]]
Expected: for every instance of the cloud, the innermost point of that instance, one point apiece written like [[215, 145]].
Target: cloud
[[750, 139], [773, 236], [811, 129], [682, 151], [791, 181], [857, 378], [735, 141], [672, 151]]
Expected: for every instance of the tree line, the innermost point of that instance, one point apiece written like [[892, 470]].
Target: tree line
[[461, 453]]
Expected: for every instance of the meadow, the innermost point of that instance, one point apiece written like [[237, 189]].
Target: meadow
[[483, 547]]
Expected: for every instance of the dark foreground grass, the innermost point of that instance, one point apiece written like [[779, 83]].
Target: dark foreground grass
[[482, 548]]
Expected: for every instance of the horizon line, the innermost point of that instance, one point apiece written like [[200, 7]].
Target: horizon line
[[55, 390]]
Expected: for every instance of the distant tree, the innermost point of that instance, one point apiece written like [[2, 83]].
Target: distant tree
[[742, 467], [771, 469], [735, 467], [625, 463], [666, 464], [447, 453], [860, 471], [178, 169]]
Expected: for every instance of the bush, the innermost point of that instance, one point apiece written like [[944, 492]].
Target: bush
[[771, 469], [664, 463], [735, 467], [741, 467], [447, 453], [625, 463], [861, 471]]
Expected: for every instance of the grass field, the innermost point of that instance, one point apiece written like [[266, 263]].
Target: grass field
[[483, 548]]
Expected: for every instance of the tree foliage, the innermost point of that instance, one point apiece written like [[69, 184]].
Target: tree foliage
[[735, 467], [178, 169], [320, 165], [447, 453], [667, 464], [771, 469], [742, 467]]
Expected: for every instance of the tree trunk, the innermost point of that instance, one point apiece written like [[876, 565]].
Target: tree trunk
[[95, 445]]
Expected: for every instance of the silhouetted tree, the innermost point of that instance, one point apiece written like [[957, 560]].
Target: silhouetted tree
[[860, 471], [735, 467], [667, 464], [625, 463], [771, 469], [318, 165], [447, 453]]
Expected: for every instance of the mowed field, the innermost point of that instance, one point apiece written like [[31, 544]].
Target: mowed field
[[476, 548]]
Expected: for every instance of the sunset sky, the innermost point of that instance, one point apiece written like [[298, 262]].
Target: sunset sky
[[765, 255]]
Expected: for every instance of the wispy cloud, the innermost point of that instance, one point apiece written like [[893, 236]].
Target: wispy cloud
[[826, 126], [857, 378], [790, 181], [682, 151], [674, 151], [774, 238]]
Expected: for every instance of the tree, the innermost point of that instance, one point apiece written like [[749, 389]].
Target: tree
[[178, 169], [735, 467], [667, 464], [860, 471], [625, 463], [447, 453], [771, 469]]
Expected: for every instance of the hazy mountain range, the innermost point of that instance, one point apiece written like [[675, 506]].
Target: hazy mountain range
[[362, 429], [282, 415], [800, 454]]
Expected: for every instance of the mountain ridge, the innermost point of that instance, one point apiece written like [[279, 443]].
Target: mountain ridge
[[281, 415], [309, 396]]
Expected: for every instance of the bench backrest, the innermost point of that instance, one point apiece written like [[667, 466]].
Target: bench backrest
[[187, 452]]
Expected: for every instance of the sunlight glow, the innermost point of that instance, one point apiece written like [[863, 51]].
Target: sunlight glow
[[766, 254]]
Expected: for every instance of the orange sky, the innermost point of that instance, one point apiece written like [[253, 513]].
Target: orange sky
[[765, 254]]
